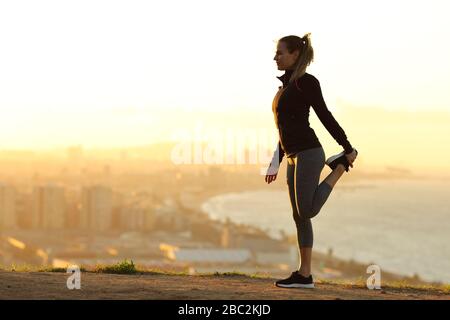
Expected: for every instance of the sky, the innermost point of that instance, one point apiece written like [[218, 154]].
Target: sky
[[117, 73]]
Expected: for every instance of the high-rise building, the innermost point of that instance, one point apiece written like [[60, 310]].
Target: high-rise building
[[137, 217], [96, 208], [7, 207], [48, 207]]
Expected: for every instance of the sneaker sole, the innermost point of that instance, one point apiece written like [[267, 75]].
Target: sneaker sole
[[296, 285], [332, 158]]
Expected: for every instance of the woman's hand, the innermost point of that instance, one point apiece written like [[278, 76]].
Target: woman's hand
[[271, 177], [351, 157], [272, 172]]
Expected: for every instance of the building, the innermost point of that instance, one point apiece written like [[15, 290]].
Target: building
[[96, 208], [137, 217], [169, 217], [7, 207], [48, 207]]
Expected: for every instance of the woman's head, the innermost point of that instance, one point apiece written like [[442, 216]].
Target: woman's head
[[294, 53]]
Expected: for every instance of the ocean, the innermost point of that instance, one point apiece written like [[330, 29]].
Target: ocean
[[401, 225]]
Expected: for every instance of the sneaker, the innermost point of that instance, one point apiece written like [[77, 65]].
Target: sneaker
[[339, 158], [296, 280]]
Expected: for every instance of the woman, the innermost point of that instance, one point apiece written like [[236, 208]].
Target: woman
[[305, 155]]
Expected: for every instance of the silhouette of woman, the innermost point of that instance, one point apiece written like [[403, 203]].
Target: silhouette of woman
[[303, 150]]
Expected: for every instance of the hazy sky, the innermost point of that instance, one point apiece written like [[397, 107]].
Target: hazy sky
[[105, 73]]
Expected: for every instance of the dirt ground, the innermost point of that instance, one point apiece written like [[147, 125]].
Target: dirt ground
[[50, 285]]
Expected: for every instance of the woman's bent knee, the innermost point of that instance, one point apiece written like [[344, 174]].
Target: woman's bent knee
[[307, 213]]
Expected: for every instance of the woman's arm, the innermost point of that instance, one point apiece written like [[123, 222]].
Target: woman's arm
[[280, 152], [315, 98], [276, 160]]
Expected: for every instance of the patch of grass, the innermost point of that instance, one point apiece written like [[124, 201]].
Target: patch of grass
[[398, 286], [173, 273], [57, 269], [230, 274], [234, 274], [223, 274], [446, 288], [35, 268], [404, 285], [159, 272], [124, 267], [22, 268], [53, 269], [260, 276], [358, 283]]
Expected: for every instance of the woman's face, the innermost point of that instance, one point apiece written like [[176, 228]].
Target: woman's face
[[284, 59]]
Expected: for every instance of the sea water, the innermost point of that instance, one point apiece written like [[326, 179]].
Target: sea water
[[401, 225]]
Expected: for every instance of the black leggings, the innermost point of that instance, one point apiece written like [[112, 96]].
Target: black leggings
[[306, 194]]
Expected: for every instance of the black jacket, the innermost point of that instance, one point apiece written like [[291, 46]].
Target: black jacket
[[291, 107]]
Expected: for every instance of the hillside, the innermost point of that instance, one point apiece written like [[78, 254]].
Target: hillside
[[95, 285]]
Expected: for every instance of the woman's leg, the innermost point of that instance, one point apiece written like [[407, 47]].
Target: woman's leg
[[306, 258], [335, 175], [307, 198], [303, 225], [310, 195]]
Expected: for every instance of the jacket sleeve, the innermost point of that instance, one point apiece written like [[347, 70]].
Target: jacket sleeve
[[317, 102], [280, 152], [276, 159]]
